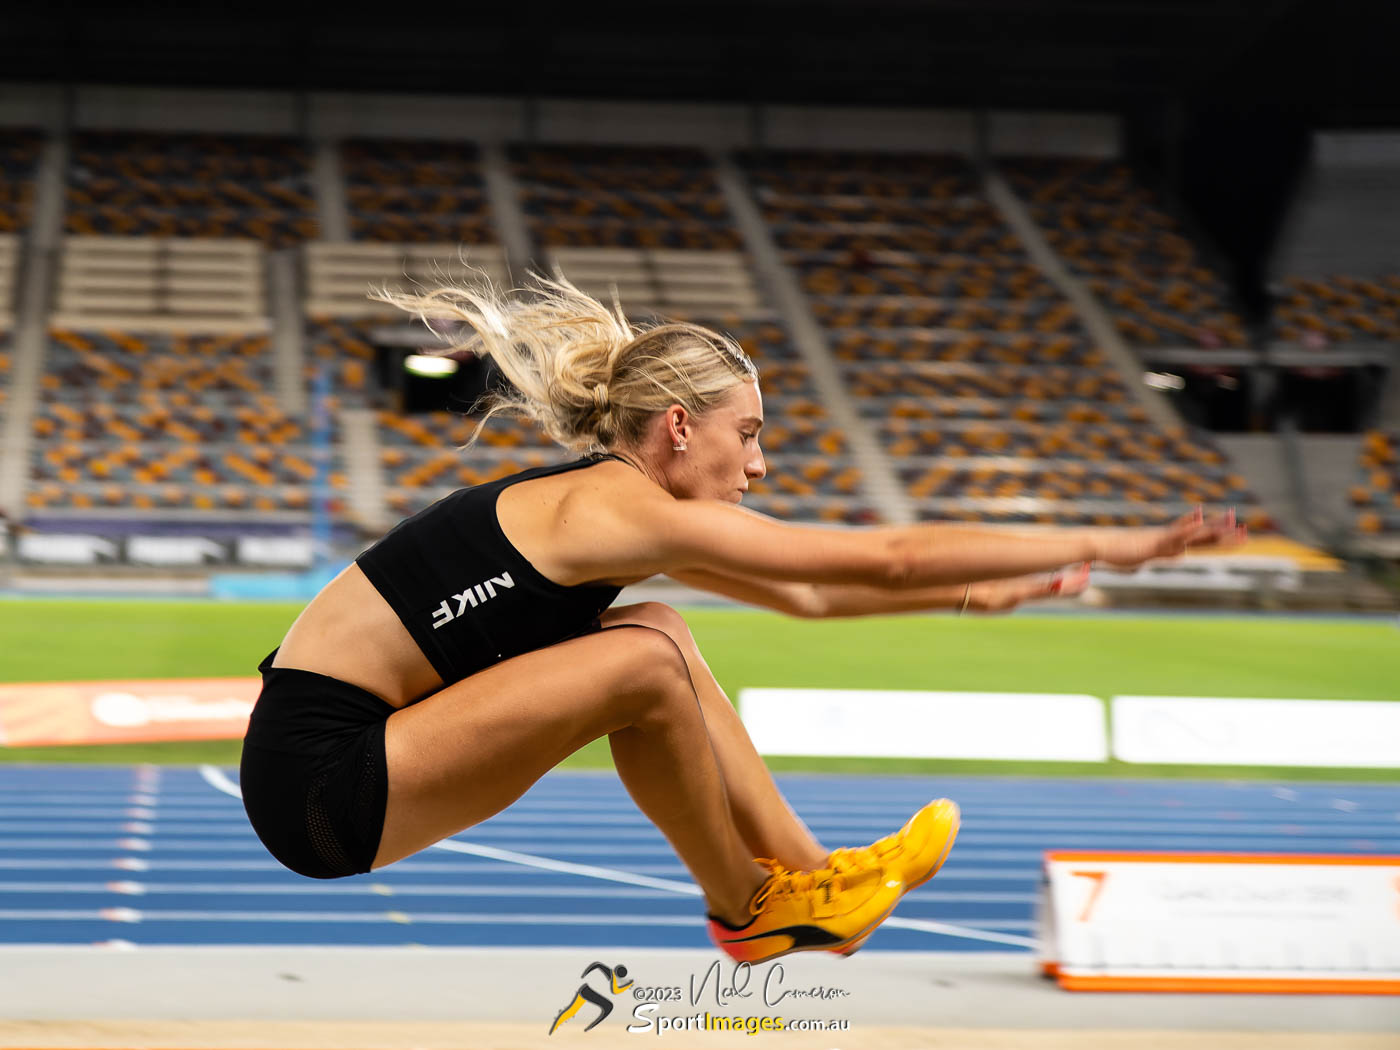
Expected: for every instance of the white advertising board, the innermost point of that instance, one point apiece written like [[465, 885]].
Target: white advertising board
[[287, 551], [66, 548], [1220, 730], [173, 550], [907, 724]]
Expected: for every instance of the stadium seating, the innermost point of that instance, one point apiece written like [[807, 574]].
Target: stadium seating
[[1132, 254], [415, 191], [661, 282], [341, 319], [1376, 493], [118, 366], [132, 183], [963, 357], [160, 421], [344, 347], [959, 353], [19, 156], [1338, 309], [878, 178], [422, 456], [810, 476], [622, 197]]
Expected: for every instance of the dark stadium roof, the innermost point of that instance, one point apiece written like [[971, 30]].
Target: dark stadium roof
[[1332, 63]]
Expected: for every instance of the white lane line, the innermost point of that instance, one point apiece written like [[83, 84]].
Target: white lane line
[[530, 860], [130, 827], [463, 919], [248, 844], [216, 778], [965, 932], [84, 845], [497, 827], [992, 826], [444, 918], [103, 804], [512, 889], [39, 812]]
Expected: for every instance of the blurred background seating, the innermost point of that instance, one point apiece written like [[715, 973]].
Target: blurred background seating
[[173, 185], [1130, 251]]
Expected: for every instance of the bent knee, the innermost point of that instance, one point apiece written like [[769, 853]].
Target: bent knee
[[659, 616], [653, 668]]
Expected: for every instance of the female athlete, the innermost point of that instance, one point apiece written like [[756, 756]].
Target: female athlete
[[475, 646]]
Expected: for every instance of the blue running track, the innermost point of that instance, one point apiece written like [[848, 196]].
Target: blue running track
[[151, 855]]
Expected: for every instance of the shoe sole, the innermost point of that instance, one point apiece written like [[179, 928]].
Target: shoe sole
[[859, 937], [843, 948], [854, 946]]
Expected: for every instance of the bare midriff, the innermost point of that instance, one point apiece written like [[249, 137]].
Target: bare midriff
[[350, 632]]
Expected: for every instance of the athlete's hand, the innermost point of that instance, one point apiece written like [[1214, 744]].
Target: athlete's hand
[[997, 596], [1123, 550]]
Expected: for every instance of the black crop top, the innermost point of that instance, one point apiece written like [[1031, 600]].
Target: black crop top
[[466, 595]]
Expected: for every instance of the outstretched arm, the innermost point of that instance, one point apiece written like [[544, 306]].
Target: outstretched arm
[[633, 529], [829, 600], [644, 531]]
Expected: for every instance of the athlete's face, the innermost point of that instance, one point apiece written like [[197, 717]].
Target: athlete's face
[[722, 454]]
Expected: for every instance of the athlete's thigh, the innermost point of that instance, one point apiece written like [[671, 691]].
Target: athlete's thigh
[[474, 747]]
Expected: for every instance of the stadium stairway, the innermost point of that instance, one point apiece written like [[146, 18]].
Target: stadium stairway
[[1328, 472], [359, 445], [503, 201], [328, 183], [1261, 459], [1324, 470], [34, 294], [1091, 313], [284, 297], [881, 484]]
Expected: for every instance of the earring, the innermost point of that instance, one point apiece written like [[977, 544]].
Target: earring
[[679, 448]]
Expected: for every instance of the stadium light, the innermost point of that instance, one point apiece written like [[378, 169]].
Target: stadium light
[[1164, 381], [429, 367]]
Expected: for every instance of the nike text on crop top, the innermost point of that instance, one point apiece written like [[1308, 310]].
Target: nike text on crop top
[[466, 595]]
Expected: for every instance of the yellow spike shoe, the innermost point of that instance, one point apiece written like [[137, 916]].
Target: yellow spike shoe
[[913, 854], [796, 911]]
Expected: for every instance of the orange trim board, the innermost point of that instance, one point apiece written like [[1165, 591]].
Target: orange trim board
[[48, 713], [1256, 985], [1342, 859]]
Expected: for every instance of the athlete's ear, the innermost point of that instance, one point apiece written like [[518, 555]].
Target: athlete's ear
[[678, 425]]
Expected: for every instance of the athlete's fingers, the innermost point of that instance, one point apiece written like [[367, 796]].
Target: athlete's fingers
[[1219, 534], [1224, 541], [1195, 531], [1068, 583], [994, 596], [1064, 584]]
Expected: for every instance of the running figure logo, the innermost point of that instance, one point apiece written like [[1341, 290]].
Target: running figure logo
[[585, 994]]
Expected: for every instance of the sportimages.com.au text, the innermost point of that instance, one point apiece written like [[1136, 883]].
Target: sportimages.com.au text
[[645, 1021]]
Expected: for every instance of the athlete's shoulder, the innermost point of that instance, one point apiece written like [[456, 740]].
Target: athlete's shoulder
[[611, 485]]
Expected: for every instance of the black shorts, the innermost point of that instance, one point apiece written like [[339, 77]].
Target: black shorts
[[313, 774]]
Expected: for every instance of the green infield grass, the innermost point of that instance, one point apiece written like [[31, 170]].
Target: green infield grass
[[1102, 655]]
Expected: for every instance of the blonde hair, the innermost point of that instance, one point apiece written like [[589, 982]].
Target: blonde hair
[[590, 378]]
